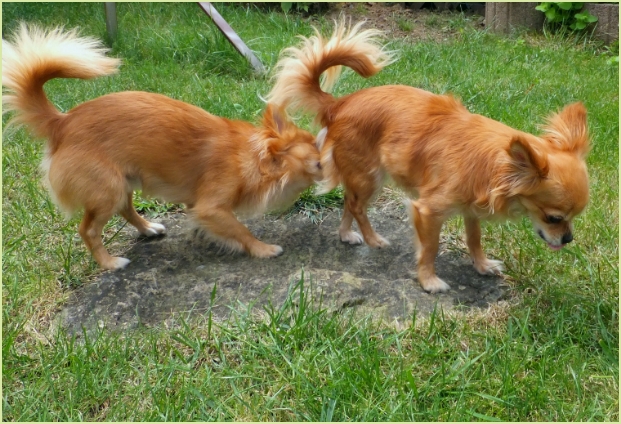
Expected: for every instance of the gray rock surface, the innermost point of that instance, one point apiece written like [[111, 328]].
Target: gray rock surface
[[176, 274]]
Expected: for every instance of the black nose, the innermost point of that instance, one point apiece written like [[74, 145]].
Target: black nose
[[567, 237]]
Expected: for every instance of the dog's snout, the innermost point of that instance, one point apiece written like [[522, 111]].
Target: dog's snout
[[567, 237]]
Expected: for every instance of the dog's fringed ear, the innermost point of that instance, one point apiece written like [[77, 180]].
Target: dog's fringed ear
[[275, 119], [530, 163], [321, 138], [567, 130], [274, 144]]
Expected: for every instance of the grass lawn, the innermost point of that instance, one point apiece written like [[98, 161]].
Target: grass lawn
[[550, 354]]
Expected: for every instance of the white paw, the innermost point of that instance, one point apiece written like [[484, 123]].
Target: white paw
[[435, 284], [267, 251], [350, 237], [378, 242], [489, 267], [117, 263], [277, 250], [154, 229]]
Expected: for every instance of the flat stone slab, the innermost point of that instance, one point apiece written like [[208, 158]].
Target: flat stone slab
[[175, 274]]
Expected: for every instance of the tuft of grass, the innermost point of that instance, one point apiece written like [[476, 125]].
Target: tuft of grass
[[550, 354], [315, 206], [404, 24], [154, 207], [432, 21]]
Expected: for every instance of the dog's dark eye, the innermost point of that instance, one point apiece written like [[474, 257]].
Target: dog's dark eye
[[318, 165], [552, 219]]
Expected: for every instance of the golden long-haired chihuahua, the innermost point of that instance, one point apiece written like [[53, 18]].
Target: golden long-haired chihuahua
[[99, 152], [450, 160]]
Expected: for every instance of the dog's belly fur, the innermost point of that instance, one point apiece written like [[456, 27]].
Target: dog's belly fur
[[153, 186]]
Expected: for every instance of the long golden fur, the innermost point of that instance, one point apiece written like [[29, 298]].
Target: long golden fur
[[450, 160], [99, 152]]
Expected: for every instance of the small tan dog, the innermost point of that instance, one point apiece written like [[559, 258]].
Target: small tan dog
[[99, 152], [452, 161]]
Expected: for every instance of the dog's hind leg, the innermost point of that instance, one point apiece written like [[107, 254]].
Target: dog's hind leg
[[90, 230], [97, 187], [346, 234], [482, 264], [356, 201], [145, 227]]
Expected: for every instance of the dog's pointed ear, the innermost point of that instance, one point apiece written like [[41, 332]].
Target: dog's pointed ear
[[275, 145], [275, 119], [321, 138], [568, 130], [529, 162]]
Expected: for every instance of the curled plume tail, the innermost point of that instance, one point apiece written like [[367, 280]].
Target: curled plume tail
[[298, 84], [32, 57]]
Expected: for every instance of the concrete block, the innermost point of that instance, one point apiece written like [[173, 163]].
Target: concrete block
[[607, 26], [502, 17]]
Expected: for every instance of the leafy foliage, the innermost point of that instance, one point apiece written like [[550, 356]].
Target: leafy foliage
[[567, 14], [287, 5]]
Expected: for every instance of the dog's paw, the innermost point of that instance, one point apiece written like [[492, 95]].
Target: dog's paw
[[378, 241], [266, 251], [116, 263], [489, 267], [434, 284], [154, 229], [351, 237]]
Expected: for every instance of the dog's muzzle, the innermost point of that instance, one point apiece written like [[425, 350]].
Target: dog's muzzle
[[567, 238]]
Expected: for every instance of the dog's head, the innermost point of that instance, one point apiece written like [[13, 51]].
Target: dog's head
[[550, 174], [289, 159], [291, 149]]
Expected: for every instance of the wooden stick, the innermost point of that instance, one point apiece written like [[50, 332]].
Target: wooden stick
[[232, 36]]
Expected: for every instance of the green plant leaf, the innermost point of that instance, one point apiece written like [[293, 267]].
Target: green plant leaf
[[551, 15], [585, 17], [565, 5], [578, 25], [286, 6]]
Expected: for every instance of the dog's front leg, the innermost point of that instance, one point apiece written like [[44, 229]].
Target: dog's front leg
[[427, 241], [143, 226], [482, 264], [223, 224]]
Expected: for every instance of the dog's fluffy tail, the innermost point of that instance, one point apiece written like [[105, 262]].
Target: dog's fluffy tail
[[33, 57], [298, 84]]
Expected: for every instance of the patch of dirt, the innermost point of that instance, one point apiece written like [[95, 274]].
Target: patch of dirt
[[183, 274], [399, 21], [180, 272]]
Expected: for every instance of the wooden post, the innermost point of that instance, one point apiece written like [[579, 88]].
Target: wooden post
[[111, 24], [232, 36]]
